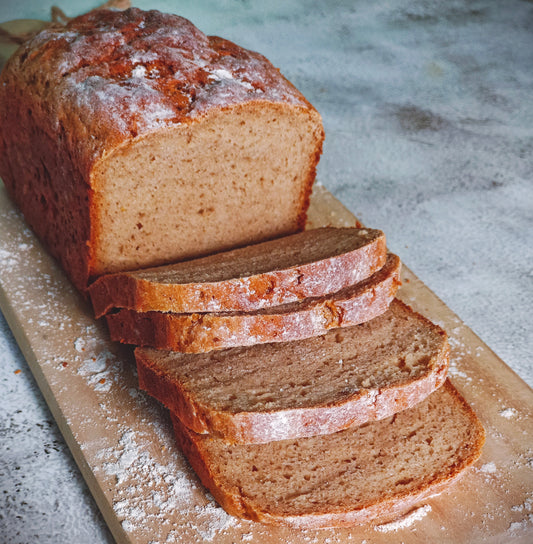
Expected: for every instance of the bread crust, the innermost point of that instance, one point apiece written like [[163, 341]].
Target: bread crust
[[391, 504], [70, 97], [261, 426], [247, 292], [194, 333]]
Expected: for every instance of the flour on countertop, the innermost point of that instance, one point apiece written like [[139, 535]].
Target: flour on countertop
[[508, 413], [150, 493], [526, 506], [517, 526], [404, 521], [459, 348], [488, 468]]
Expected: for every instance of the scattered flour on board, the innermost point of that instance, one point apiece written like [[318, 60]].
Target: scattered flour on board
[[149, 492], [526, 506], [217, 520], [488, 468], [459, 349], [98, 366], [508, 413], [517, 526], [405, 521], [7, 260]]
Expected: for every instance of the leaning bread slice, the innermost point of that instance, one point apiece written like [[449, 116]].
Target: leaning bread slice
[[194, 333], [308, 264], [372, 473], [319, 385]]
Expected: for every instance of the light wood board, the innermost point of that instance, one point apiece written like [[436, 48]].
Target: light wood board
[[123, 444]]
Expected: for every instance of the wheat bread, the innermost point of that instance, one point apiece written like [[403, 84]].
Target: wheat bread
[[367, 474], [319, 385], [131, 139], [308, 264], [202, 332]]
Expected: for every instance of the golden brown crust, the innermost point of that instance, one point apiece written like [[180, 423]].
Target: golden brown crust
[[340, 412], [193, 333], [238, 501], [362, 253]]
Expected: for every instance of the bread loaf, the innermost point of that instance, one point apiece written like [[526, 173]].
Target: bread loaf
[[308, 264], [319, 385], [371, 473], [202, 332], [131, 139]]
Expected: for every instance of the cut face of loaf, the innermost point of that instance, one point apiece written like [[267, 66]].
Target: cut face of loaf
[[302, 388], [131, 139], [308, 264], [236, 176], [202, 332], [372, 473]]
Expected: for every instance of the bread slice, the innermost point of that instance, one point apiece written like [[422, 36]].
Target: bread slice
[[367, 474], [308, 264], [303, 388], [194, 333]]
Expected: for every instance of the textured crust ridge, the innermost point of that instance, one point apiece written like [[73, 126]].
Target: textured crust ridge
[[193, 333], [72, 97], [225, 470], [362, 252], [266, 424]]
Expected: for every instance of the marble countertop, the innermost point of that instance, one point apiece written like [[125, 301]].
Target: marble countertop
[[429, 136]]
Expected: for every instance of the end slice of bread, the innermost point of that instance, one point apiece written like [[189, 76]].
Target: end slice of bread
[[368, 474], [308, 264], [319, 385], [194, 333]]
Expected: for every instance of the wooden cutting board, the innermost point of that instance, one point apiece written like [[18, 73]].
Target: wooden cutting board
[[123, 444]]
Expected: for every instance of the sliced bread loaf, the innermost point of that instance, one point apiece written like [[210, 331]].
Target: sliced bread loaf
[[319, 385], [371, 473], [131, 139], [308, 264], [193, 333]]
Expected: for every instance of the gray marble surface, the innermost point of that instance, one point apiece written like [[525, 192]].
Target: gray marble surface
[[428, 110]]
